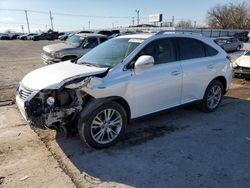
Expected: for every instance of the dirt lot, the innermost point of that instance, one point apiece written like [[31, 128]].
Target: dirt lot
[[182, 148]]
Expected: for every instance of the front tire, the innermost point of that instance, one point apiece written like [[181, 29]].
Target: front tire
[[104, 126], [212, 97]]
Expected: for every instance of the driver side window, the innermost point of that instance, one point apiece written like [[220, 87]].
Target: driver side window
[[92, 42], [162, 50]]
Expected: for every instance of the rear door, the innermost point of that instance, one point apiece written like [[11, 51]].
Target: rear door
[[198, 66]]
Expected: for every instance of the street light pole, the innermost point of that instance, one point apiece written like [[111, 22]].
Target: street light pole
[[138, 16], [27, 20]]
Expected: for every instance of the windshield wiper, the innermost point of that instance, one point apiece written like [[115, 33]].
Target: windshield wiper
[[90, 64]]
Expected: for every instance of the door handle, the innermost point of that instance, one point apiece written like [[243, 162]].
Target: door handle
[[175, 73], [211, 66]]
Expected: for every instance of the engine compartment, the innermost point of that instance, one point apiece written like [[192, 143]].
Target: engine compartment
[[51, 108]]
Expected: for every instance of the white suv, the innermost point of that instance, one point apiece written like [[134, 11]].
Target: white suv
[[125, 78]]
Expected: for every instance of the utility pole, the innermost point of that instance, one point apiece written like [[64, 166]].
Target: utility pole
[[51, 20], [27, 20], [22, 28], [195, 24], [172, 21], [138, 16], [133, 21], [89, 25]]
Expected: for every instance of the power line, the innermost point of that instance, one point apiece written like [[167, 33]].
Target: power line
[[72, 15]]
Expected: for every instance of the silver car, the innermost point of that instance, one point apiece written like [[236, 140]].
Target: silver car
[[229, 43], [74, 47]]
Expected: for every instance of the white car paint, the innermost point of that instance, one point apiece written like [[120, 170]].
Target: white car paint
[[157, 88], [52, 77], [243, 61]]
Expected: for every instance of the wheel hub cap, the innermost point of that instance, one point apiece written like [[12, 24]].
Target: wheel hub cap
[[106, 126]]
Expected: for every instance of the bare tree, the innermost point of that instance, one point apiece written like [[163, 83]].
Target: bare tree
[[185, 24], [229, 16]]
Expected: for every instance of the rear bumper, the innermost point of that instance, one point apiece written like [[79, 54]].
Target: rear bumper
[[49, 60]]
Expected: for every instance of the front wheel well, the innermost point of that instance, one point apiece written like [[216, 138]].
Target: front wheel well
[[223, 80], [125, 105]]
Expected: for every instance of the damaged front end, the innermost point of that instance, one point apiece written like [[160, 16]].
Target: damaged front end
[[53, 107]]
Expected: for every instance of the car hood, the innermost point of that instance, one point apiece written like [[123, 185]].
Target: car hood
[[243, 61], [54, 76], [57, 47]]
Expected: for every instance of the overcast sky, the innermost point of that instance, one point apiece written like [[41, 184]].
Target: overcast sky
[[121, 12]]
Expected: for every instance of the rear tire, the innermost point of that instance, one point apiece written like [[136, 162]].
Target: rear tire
[[104, 126], [212, 97]]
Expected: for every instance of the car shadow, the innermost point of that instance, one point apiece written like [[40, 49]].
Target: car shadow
[[129, 161]]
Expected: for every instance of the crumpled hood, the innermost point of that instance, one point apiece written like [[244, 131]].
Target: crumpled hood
[[243, 61], [57, 47], [53, 76]]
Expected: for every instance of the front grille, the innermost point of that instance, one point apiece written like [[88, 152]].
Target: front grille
[[24, 93]]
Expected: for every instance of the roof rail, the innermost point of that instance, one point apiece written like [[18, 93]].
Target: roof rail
[[178, 31]]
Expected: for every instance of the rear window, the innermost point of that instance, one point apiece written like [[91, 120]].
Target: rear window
[[190, 48], [193, 48], [210, 51]]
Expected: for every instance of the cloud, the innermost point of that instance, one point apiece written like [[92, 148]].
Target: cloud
[[6, 19]]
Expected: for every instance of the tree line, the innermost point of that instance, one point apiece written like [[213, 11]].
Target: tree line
[[226, 16]]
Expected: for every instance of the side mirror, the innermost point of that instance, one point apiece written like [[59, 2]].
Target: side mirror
[[144, 62]]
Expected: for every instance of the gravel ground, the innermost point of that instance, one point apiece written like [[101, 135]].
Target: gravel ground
[[181, 148]]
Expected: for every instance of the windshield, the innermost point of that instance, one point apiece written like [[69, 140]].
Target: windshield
[[110, 53], [74, 40], [248, 53]]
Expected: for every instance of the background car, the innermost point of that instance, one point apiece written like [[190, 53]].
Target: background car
[[242, 36], [27, 36], [75, 46], [65, 36], [13, 36], [229, 43], [45, 36], [5, 36], [241, 67]]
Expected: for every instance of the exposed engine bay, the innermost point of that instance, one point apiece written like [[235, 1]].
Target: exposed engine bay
[[56, 108]]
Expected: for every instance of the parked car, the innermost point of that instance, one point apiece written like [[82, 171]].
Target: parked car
[[45, 36], [84, 31], [229, 43], [125, 78], [74, 47], [5, 36], [241, 67], [13, 36], [26, 36], [65, 36], [108, 33], [242, 36], [121, 34]]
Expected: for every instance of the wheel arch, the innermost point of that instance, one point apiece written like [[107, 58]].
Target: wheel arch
[[223, 80], [94, 103]]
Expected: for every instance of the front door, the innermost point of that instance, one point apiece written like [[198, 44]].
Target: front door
[[158, 87]]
